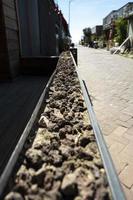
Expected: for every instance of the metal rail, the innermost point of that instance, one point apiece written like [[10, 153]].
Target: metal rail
[[114, 183], [12, 161], [116, 189]]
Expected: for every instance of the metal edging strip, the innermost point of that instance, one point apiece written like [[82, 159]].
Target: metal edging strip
[[112, 176], [12, 161], [114, 183]]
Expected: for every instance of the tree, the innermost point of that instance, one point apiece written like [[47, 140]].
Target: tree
[[87, 35], [121, 30]]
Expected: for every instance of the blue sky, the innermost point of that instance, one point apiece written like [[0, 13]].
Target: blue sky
[[87, 13]]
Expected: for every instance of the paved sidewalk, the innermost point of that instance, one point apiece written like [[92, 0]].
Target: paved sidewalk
[[17, 102], [109, 79]]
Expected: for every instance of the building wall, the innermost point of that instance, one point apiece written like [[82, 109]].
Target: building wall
[[124, 12], [47, 20], [108, 19], [97, 30], [37, 23], [29, 27], [4, 69], [9, 40], [45, 24]]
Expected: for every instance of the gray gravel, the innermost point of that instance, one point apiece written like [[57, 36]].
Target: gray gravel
[[64, 162]]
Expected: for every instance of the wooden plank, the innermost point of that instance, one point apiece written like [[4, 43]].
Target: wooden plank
[[4, 66], [1, 23], [14, 65], [13, 55], [9, 43], [9, 3], [11, 23], [3, 46], [14, 68], [1, 18], [9, 12], [3, 56], [12, 45], [12, 34], [4, 70]]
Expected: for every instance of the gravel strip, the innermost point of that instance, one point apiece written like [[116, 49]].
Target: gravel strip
[[63, 162]]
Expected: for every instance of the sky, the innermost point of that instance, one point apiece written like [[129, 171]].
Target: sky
[[87, 13]]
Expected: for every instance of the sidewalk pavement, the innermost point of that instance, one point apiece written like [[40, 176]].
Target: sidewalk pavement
[[18, 99], [109, 79]]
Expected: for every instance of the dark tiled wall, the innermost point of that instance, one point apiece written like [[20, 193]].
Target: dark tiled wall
[[9, 42]]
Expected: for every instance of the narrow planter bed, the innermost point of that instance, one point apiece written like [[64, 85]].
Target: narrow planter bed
[[63, 162]]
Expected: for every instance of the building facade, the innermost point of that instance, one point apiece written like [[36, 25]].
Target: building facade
[[41, 27], [125, 12], [97, 31], [32, 28]]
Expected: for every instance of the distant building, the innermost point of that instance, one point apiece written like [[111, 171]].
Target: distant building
[[129, 17], [107, 21], [97, 31], [125, 12]]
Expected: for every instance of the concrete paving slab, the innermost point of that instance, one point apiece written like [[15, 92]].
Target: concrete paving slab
[[109, 79]]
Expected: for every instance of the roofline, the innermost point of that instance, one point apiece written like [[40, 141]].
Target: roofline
[[129, 3], [110, 13]]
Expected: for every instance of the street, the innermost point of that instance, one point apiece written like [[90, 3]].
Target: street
[[109, 79]]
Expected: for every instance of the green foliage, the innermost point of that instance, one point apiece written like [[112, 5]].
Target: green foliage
[[121, 30], [87, 35]]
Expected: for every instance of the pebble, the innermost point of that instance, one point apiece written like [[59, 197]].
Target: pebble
[[84, 140], [42, 122], [62, 133], [69, 185], [39, 177], [21, 187], [14, 196], [63, 162], [85, 155], [33, 157]]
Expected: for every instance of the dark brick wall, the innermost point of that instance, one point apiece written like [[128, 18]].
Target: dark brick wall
[[9, 40]]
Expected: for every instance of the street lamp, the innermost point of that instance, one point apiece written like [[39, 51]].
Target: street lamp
[[69, 13]]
